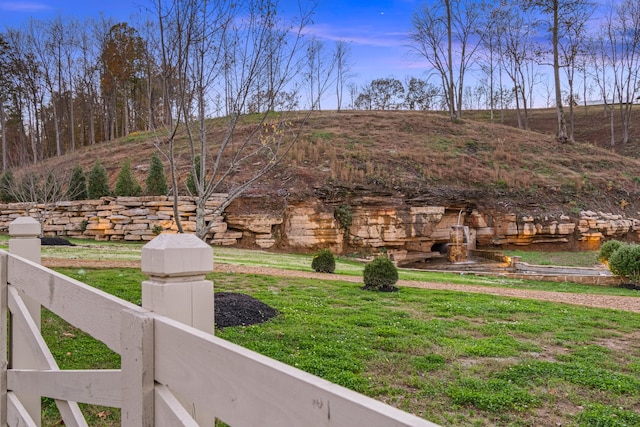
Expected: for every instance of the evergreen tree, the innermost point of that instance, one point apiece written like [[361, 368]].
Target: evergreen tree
[[127, 185], [77, 185], [191, 181], [7, 187], [156, 182], [98, 182]]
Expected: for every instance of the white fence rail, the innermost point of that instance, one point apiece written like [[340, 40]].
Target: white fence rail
[[172, 374]]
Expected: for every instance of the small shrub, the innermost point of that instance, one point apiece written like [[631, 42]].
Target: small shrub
[[607, 249], [77, 185], [343, 215], [324, 261], [156, 182], [157, 229], [380, 275], [98, 185], [625, 262], [127, 185]]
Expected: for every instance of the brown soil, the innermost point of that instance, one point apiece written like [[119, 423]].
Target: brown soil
[[631, 304], [423, 158]]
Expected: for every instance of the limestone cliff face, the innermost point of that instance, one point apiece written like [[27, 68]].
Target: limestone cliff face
[[414, 232], [374, 223]]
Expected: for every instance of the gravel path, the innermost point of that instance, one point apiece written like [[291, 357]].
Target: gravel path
[[631, 304]]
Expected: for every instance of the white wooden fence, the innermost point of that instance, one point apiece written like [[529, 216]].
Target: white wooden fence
[[173, 371]]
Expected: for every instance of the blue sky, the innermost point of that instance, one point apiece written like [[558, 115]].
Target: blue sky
[[376, 29]]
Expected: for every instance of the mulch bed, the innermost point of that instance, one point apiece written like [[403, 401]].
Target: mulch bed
[[55, 241], [235, 309]]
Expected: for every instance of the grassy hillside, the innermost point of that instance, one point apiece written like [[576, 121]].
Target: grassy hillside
[[423, 157]]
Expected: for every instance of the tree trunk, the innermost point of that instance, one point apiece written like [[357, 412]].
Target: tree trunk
[[125, 103], [518, 114], [56, 125], [562, 126], [92, 114], [613, 139], [3, 122], [72, 124], [451, 90], [174, 182], [626, 118]]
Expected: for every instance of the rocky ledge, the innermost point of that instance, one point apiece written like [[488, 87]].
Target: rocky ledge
[[370, 224]]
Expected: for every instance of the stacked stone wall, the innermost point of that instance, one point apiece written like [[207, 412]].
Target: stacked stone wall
[[117, 218], [406, 232]]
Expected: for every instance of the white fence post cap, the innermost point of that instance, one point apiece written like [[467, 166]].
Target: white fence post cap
[[24, 226], [171, 255]]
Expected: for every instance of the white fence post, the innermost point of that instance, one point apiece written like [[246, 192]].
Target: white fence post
[[25, 242], [176, 265], [4, 309], [137, 370]]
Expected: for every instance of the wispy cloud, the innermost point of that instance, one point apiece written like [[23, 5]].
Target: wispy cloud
[[363, 35], [23, 6]]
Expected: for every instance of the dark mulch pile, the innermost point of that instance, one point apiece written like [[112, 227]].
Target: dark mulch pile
[[55, 241], [234, 309]]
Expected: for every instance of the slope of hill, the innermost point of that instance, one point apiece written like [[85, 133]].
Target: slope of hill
[[425, 158]]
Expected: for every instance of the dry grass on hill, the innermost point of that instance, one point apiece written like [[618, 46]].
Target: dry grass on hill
[[423, 157]]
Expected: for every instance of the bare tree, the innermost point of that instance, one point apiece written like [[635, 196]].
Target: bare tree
[[39, 189], [602, 76], [353, 89], [89, 41], [321, 67], [441, 32], [516, 50], [624, 53], [491, 39], [5, 94], [560, 14], [69, 55], [342, 59], [46, 40], [30, 93], [571, 47], [214, 48]]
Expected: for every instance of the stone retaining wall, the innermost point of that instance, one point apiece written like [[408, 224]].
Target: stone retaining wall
[[116, 218], [407, 233]]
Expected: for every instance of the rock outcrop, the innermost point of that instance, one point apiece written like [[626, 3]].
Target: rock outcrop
[[408, 233]]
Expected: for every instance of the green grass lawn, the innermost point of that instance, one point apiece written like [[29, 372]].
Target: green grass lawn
[[131, 251], [453, 358], [568, 259], [456, 359]]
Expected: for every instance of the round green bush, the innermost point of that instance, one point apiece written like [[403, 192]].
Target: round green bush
[[625, 262], [607, 249], [324, 261], [380, 275]]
